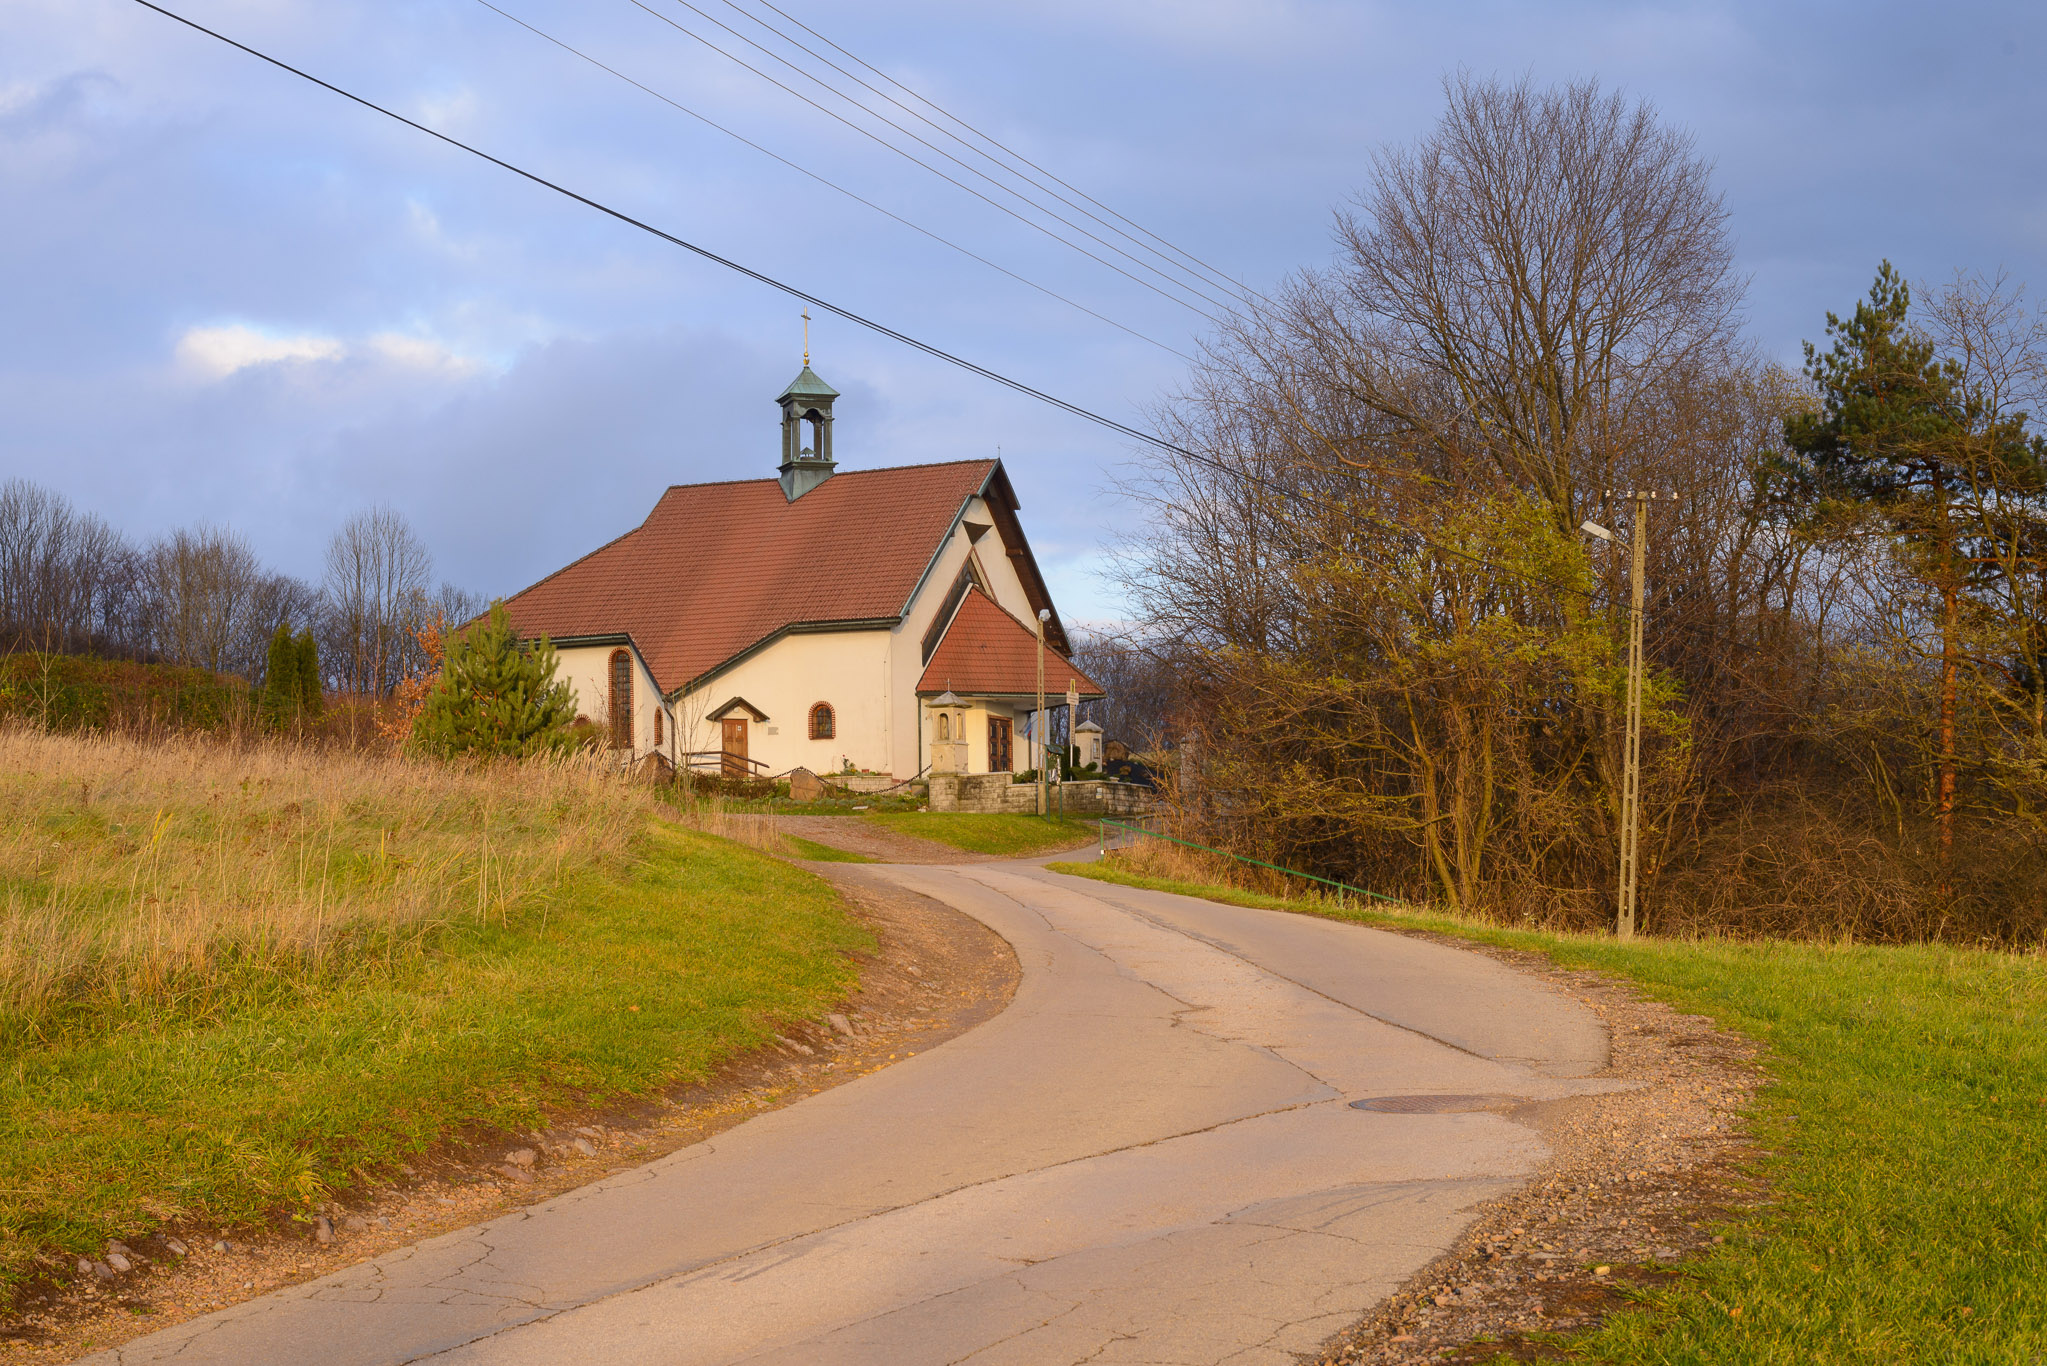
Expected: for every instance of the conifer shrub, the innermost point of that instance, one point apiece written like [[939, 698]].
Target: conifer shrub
[[496, 696], [311, 699], [280, 696]]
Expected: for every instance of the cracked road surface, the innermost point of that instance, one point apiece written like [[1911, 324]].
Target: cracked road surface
[[1149, 1157]]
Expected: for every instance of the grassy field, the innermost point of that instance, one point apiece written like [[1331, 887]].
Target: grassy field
[[176, 876], [238, 979], [1907, 1138], [1001, 834]]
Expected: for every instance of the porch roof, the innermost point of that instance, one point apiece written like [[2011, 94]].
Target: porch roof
[[986, 652]]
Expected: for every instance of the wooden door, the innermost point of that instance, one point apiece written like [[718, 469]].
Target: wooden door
[[734, 745], [999, 757]]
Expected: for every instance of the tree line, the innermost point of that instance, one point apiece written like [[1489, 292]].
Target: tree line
[[1365, 585], [72, 584]]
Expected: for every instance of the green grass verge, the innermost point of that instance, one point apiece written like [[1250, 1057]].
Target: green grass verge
[[1002, 834], [621, 985], [824, 853], [1906, 1133]]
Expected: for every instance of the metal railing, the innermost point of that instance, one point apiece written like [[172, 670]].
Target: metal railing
[[723, 762]]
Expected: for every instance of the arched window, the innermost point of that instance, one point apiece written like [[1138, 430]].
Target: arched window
[[657, 727], [944, 729], [823, 725], [621, 699]]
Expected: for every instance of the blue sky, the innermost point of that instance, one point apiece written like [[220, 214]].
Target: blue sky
[[227, 296]]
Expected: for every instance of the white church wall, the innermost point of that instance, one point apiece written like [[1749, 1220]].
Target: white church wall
[[847, 669], [587, 671]]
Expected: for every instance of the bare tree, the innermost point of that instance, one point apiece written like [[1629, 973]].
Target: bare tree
[[376, 586], [447, 609], [1532, 277], [1142, 682], [212, 606], [63, 574], [1401, 675]]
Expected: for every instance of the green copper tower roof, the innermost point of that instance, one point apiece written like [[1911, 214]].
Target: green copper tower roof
[[808, 385]]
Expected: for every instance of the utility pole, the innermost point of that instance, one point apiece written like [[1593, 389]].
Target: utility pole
[[1038, 717], [1631, 781], [1631, 763]]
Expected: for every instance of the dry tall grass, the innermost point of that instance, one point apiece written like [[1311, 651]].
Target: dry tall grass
[[168, 869]]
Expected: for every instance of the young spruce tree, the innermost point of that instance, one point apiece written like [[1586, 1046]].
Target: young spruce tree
[[496, 696], [312, 698], [281, 689]]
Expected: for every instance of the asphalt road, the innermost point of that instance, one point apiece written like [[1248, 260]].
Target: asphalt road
[[1151, 1156]]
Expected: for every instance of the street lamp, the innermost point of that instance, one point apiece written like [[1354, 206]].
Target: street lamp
[[1631, 769]]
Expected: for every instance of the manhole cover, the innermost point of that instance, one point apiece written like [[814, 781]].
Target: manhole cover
[[1431, 1105]]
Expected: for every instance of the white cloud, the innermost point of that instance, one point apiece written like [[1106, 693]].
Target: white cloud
[[218, 352], [422, 353]]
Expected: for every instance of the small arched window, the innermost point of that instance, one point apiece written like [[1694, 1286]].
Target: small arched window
[[944, 728], [657, 727], [621, 699], [823, 725]]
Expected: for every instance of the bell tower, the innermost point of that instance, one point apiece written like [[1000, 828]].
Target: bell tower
[[806, 400]]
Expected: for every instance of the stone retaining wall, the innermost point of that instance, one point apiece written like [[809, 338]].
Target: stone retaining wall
[[860, 782], [996, 792], [981, 792]]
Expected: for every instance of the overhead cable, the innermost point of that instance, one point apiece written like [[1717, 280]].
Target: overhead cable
[[1038, 186], [950, 180], [804, 171], [879, 328], [1206, 273]]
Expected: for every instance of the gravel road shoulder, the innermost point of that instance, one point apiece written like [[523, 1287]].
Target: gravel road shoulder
[[1636, 1184]]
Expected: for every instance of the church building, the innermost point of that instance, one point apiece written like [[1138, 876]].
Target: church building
[[884, 620]]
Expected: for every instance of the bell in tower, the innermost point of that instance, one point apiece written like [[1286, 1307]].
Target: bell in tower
[[806, 454]]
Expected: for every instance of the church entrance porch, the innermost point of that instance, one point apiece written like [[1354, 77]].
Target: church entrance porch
[[733, 747], [1001, 744]]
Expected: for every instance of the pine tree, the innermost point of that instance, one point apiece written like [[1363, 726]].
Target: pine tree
[[281, 681], [496, 696], [312, 699], [1899, 434]]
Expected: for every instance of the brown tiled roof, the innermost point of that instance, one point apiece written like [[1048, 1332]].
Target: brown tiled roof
[[987, 652], [718, 568]]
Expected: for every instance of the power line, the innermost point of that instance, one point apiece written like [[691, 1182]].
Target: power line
[[881, 329], [1222, 278], [950, 180], [1218, 280], [1053, 214], [857, 319], [804, 171]]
